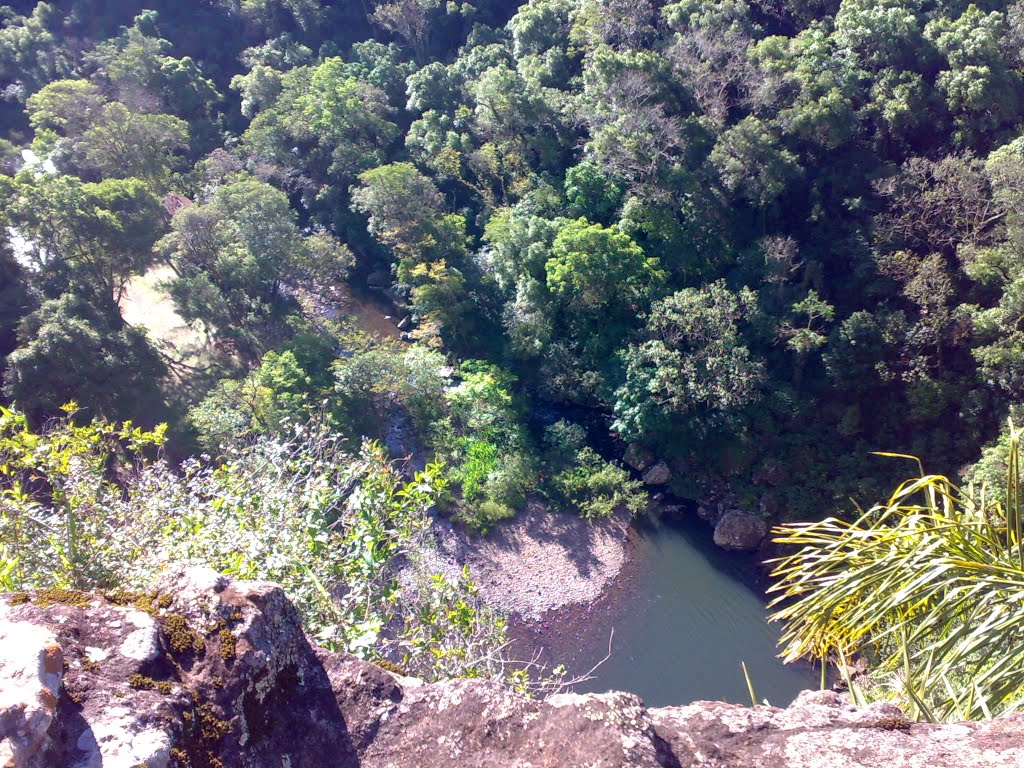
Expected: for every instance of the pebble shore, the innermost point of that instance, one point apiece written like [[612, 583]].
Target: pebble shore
[[537, 562]]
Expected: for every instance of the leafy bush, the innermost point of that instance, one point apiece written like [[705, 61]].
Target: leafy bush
[[372, 382], [331, 527], [485, 442], [596, 488], [493, 485], [480, 460], [926, 587], [277, 393], [563, 440], [482, 516], [60, 515], [509, 482]]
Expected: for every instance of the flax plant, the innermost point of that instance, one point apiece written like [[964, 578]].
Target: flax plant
[[928, 588]]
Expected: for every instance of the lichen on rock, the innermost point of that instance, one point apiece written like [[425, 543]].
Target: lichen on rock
[[277, 700]]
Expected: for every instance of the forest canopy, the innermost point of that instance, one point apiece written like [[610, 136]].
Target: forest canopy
[[758, 239], [761, 234]]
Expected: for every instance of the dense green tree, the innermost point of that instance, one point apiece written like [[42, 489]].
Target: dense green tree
[[405, 212], [347, 114], [600, 282], [94, 237], [137, 65], [752, 163], [591, 193], [107, 138], [15, 300], [65, 106], [1000, 353], [333, 111], [122, 144], [883, 33], [981, 91], [232, 255], [695, 364], [30, 52], [541, 42], [599, 274], [69, 350], [273, 397]]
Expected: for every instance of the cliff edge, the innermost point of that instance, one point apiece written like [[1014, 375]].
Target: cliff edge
[[213, 673]]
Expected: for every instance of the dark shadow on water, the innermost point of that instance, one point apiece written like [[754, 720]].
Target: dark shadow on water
[[742, 567]]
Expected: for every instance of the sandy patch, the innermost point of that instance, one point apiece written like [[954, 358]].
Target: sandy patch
[[537, 562], [146, 304]]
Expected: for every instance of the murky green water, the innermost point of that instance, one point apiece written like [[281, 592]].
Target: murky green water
[[684, 616]]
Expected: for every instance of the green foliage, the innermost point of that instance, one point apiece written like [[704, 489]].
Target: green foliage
[[404, 211], [328, 525], [106, 137], [925, 586], [276, 395], [753, 164], [31, 53], [480, 460], [92, 236], [68, 349], [56, 496], [373, 383], [591, 193], [485, 442], [136, 63], [751, 234], [232, 255], [348, 115], [596, 270], [696, 361], [581, 480], [595, 488]]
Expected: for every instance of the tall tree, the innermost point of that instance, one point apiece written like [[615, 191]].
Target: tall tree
[[94, 237]]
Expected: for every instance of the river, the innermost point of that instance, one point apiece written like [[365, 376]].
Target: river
[[684, 615]]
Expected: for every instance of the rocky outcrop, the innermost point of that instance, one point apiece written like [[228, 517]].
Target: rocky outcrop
[[209, 672], [30, 679], [659, 474], [740, 532], [637, 457], [819, 730]]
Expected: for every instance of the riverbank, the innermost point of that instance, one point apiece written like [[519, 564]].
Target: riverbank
[[538, 562], [675, 614]]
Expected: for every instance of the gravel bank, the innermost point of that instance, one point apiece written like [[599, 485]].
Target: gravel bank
[[539, 561]]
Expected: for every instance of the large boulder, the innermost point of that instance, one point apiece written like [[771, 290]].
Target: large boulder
[[740, 532], [637, 457], [659, 474], [205, 671], [199, 670]]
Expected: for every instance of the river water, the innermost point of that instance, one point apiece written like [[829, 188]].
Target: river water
[[681, 618]]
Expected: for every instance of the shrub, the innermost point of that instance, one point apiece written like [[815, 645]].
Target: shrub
[[330, 526], [927, 587], [596, 488], [481, 458], [563, 441]]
